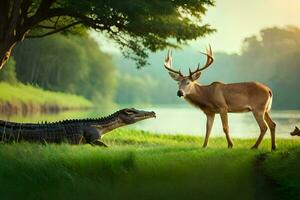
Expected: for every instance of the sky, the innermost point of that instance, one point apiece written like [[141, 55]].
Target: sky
[[235, 20]]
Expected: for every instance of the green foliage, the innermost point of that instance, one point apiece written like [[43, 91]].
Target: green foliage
[[8, 74], [100, 82], [277, 60], [54, 63], [20, 94], [272, 58], [140, 164], [134, 89], [137, 26], [282, 169], [69, 64], [158, 88]]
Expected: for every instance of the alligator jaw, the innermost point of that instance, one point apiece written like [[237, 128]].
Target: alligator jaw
[[144, 115], [124, 117]]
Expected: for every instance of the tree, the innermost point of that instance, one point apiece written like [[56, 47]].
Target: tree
[[134, 89], [136, 25], [55, 63], [67, 63], [99, 84], [274, 58]]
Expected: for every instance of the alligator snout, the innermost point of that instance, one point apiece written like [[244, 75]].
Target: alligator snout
[[153, 114]]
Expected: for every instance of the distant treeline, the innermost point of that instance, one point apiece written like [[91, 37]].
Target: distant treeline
[[272, 57], [70, 64], [75, 64]]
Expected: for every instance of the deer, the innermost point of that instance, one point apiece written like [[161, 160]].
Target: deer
[[296, 131], [220, 98]]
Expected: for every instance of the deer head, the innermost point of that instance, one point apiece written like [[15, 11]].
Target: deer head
[[295, 132], [185, 83]]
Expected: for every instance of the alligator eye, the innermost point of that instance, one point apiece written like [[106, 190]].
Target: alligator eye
[[129, 112]]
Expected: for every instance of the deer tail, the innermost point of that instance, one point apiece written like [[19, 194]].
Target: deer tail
[[270, 100]]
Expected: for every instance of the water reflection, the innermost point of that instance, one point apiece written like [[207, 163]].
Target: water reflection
[[192, 121], [180, 120]]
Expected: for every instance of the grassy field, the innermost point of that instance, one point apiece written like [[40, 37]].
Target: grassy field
[[19, 95], [141, 165]]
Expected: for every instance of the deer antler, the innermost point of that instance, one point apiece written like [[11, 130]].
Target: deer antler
[[209, 61], [168, 64]]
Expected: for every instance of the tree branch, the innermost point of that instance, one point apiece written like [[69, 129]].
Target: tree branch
[[46, 27], [14, 17], [24, 8], [54, 31], [57, 21], [44, 7], [40, 15], [93, 23]]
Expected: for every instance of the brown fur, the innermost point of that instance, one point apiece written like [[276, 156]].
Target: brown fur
[[236, 97], [220, 98], [296, 131]]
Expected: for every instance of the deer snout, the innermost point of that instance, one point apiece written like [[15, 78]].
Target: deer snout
[[179, 93]]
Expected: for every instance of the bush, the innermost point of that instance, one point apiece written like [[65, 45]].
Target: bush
[[8, 73]]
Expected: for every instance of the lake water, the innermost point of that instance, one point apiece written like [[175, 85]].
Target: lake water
[[184, 120]]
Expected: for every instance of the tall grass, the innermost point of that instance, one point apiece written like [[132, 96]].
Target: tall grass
[[142, 165], [25, 94], [282, 169]]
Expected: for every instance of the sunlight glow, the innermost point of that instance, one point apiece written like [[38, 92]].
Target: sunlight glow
[[235, 20]]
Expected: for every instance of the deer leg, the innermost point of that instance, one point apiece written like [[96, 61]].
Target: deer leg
[[259, 117], [272, 127], [224, 119], [209, 122]]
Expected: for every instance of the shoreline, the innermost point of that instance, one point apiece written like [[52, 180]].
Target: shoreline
[[27, 99], [8, 108]]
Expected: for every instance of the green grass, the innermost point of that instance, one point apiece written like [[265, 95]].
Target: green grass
[[282, 169], [142, 165], [20, 94]]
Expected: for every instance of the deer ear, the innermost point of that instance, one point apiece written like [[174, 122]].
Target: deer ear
[[175, 76], [296, 128], [195, 76]]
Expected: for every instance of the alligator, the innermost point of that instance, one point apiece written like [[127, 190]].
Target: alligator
[[77, 131]]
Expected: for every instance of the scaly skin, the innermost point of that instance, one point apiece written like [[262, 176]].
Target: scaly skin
[[71, 131]]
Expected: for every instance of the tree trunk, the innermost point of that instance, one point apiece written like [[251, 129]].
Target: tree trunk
[[10, 16]]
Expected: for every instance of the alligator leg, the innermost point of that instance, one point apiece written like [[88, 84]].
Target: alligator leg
[[99, 143], [92, 136], [82, 140]]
